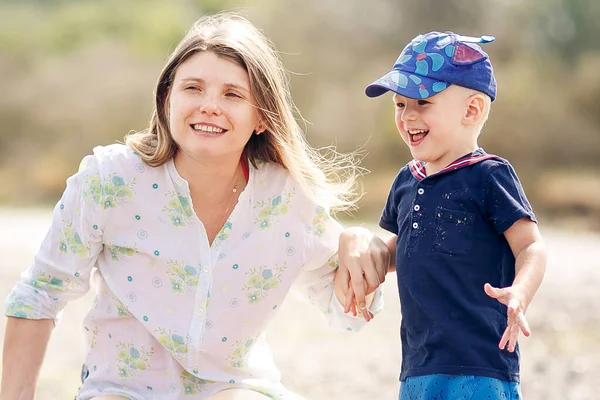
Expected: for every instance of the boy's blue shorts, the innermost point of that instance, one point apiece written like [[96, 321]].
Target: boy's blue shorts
[[458, 387]]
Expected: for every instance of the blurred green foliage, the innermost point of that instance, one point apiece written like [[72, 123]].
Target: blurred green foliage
[[75, 74]]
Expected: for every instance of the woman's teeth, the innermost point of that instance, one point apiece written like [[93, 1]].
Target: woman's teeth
[[206, 128]]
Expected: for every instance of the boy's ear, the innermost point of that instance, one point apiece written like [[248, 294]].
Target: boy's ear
[[475, 109]]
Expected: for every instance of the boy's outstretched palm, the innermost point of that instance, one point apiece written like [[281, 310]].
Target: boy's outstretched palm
[[513, 298]]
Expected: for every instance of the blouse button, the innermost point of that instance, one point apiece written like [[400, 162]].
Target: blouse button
[[415, 225], [421, 191], [417, 207]]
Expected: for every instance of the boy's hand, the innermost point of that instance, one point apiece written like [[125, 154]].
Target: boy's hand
[[364, 259], [513, 298]]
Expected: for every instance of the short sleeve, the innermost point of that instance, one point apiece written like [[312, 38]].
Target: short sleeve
[[61, 268], [505, 200], [389, 216], [316, 281]]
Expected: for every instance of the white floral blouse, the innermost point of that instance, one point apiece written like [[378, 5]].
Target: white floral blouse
[[175, 318]]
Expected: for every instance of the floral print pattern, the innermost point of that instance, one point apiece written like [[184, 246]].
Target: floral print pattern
[[183, 277], [179, 209], [192, 385], [71, 241], [130, 360], [272, 208], [262, 279], [174, 316], [176, 344], [318, 222], [241, 350], [108, 193]]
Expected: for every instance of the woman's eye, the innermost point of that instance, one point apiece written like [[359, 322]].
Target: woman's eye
[[192, 88], [231, 94]]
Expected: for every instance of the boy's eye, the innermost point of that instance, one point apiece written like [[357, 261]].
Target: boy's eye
[[422, 102], [399, 105]]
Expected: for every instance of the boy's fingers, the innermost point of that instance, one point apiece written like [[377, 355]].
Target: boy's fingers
[[504, 339], [349, 301], [514, 306], [493, 292], [523, 324], [358, 286], [514, 336]]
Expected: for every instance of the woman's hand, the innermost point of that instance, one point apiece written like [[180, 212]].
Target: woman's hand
[[363, 263]]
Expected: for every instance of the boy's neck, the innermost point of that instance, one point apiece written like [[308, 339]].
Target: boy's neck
[[433, 167]]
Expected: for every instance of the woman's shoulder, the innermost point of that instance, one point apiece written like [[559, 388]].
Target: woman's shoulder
[[275, 179], [116, 153], [271, 173], [119, 159], [274, 184]]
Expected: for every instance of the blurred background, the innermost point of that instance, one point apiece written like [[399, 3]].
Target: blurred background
[[75, 74]]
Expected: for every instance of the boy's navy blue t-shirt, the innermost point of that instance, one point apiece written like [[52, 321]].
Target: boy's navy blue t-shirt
[[450, 243]]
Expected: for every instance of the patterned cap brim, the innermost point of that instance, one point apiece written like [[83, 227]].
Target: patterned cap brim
[[406, 84]]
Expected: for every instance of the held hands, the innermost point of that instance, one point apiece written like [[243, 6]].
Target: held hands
[[363, 262], [512, 297]]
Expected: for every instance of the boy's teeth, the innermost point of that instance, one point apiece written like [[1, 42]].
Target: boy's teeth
[[205, 128], [417, 131]]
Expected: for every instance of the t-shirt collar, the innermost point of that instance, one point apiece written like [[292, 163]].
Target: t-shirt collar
[[417, 168]]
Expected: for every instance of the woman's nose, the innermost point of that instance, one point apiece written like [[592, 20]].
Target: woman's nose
[[210, 106]]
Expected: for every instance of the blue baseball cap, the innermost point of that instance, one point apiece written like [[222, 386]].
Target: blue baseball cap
[[433, 61]]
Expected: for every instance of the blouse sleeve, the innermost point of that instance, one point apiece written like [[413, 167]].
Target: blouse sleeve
[[316, 281], [61, 269]]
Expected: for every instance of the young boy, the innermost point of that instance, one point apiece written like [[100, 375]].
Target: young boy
[[469, 256]]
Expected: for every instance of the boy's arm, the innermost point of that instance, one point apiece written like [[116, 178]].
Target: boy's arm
[[24, 347], [530, 253]]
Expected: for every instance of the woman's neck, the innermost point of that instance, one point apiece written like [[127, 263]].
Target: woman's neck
[[211, 177]]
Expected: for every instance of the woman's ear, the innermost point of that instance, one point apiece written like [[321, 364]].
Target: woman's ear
[[475, 109], [259, 129]]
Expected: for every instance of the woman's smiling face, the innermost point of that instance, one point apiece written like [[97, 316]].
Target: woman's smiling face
[[211, 109]]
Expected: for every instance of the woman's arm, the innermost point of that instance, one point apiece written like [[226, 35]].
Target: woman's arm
[[25, 344]]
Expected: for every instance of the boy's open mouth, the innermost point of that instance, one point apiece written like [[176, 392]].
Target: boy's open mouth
[[417, 135]]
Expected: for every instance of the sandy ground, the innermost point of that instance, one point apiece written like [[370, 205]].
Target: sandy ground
[[561, 361]]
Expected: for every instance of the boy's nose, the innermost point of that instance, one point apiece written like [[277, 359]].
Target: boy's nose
[[408, 114]]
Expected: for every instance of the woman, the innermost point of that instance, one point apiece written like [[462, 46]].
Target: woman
[[198, 228]]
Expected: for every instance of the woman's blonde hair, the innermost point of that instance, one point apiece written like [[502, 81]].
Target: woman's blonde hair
[[330, 180]]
